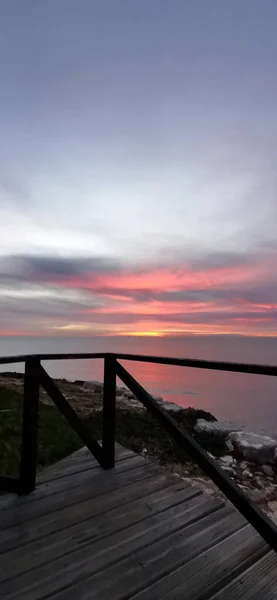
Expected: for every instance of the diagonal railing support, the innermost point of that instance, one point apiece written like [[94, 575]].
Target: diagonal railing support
[[67, 411]]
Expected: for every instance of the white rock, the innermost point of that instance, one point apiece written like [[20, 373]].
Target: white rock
[[267, 469], [216, 428], [211, 455], [252, 447], [121, 399], [242, 464], [132, 403], [256, 495], [247, 473], [273, 506], [228, 469], [259, 482], [159, 399], [227, 460], [95, 386], [243, 487], [128, 394]]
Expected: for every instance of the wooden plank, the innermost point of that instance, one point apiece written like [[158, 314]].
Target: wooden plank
[[72, 483], [81, 463], [15, 522], [79, 515], [78, 458], [134, 532], [258, 582], [79, 566], [209, 571], [127, 463], [149, 500], [84, 453], [67, 466], [67, 411], [140, 569]]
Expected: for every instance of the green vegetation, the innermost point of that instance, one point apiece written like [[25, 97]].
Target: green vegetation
[[138, 431], [56, 439]]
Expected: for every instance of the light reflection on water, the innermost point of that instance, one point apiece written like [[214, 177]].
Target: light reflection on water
[[249, 399]]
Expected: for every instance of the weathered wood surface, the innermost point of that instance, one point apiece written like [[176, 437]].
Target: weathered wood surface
[[135, 532]]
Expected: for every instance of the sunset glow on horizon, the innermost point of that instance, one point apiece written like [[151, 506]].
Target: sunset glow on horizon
[[167, 301]]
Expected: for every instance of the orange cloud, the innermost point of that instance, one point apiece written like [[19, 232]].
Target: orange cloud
[[127, 302], [166, 279], [197, 298]]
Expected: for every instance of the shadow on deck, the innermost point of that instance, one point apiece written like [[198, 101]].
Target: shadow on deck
[[136, 532]]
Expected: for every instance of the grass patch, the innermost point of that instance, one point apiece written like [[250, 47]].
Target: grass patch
[[140, 431], [56, 439]]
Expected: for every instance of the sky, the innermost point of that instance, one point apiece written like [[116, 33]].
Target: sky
[[138, 167]]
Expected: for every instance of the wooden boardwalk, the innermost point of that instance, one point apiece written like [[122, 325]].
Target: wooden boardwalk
[[133, 532]]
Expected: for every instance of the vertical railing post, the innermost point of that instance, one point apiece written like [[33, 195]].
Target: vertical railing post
[[27, 475], [108, 431]]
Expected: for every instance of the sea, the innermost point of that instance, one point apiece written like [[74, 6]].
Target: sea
[[250, 400]]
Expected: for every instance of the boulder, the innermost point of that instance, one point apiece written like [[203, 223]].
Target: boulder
[[267, 469], [121, 389], [171, 406], [124, 392], [121, 398], [94, 386], [247, 473], [167, 405], [133, 403], [129, 394], [219, 429], [228, 469], [273, 506], [227, 460], [243, 465], [256, 496], [210, 455], [126, 403], [252, 447]]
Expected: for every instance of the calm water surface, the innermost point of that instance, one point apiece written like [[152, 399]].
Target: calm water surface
[[248, 399]]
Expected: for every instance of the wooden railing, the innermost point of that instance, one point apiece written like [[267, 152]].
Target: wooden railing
[[36, 376]]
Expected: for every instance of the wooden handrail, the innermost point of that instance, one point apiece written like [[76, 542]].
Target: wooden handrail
[[195, 363], [4, 360]]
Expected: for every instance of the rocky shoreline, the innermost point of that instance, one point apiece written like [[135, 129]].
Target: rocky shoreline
[[249, 459]]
